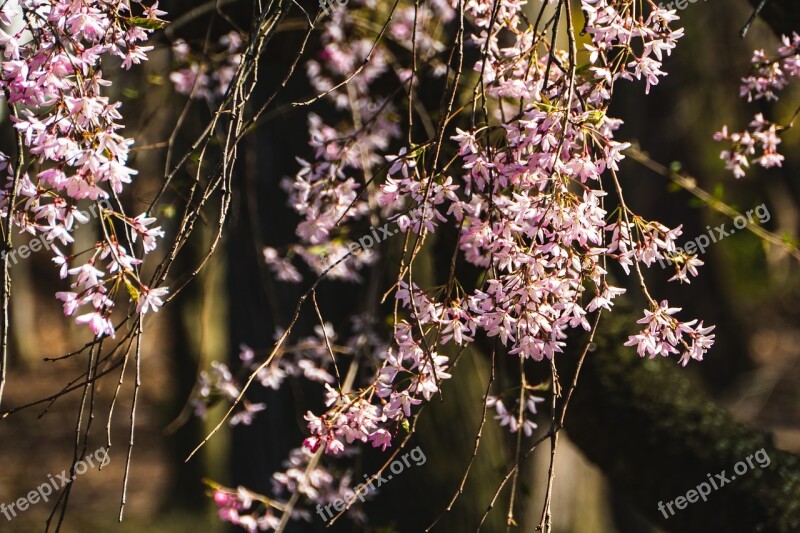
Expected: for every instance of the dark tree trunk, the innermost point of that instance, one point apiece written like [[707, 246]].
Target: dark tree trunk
[[656, 434]]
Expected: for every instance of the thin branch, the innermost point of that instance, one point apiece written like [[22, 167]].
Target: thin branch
[[689, 184]]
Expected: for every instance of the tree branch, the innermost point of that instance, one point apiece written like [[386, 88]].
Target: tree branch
[[783, 16]]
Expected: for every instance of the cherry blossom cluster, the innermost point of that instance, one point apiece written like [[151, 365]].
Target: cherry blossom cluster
[[207, 75], [245, 509], [663, 334], [375, 412], [525, 190], [759, 142], [656, 243], [350, 418], [308, 359], [371, 414], [772, 74], [74, 152], [324, 192], [318, 485], [532, 214], [625, 44], [511, 417], [255, 512], [218, 383]]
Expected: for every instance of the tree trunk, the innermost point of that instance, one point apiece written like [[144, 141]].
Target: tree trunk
[[656, 434]]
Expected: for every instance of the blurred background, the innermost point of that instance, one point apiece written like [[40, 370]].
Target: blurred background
[[747, 288]]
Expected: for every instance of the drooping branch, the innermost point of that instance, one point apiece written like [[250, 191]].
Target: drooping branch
[[783, 16]]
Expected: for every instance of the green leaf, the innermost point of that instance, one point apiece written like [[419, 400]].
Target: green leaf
[[596, 117], [169, 211], [133, 292], [148, 24], [696, 202]]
